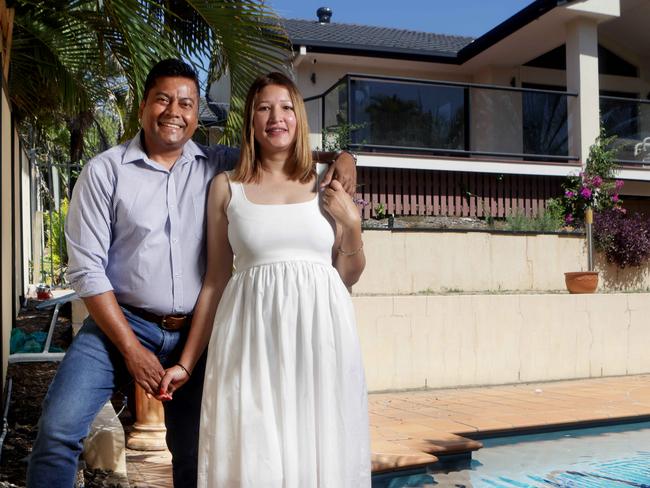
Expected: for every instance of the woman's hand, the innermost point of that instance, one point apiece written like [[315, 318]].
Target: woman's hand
[[174, 378], [341, 206]]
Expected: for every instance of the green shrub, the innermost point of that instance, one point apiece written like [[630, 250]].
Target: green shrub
[[55, 255], [549, 220]]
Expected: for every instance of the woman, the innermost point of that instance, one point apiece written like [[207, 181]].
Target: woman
[[284, 399]]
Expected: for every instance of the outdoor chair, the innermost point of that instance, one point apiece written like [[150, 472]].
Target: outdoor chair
[[45, 355]]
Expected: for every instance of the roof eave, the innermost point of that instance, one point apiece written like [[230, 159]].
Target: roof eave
[[522, 18], [377, 52]]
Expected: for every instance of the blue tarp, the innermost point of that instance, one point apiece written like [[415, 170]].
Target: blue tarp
[[29, 342]]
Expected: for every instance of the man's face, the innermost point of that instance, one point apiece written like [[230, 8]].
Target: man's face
[[169, 114]]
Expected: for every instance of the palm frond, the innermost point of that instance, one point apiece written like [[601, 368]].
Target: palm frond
[[242, 37]]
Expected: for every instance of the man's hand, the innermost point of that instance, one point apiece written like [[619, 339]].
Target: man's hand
[[344, 170], [145, 368]]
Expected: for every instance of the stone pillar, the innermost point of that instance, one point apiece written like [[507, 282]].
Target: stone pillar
[[149, 429], [582, 77]]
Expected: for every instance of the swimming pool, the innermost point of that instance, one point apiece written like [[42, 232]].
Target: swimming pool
[[602, 457]]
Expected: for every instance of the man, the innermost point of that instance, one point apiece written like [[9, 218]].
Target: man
[[135, 233]]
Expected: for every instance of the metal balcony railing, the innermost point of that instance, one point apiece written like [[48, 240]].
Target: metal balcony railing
[[401, 115], [629, 120]]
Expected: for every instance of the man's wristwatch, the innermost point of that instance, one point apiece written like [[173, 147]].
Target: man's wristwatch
[[341, 151]]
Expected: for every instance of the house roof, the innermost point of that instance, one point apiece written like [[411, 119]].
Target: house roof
[[212, 113], [362, 40]]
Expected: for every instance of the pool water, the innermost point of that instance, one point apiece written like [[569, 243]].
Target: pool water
[[603, 457]]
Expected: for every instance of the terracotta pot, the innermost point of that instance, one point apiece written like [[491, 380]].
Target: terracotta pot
[[581, 281]]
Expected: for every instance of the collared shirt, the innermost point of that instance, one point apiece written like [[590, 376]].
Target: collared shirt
[[138, 229]]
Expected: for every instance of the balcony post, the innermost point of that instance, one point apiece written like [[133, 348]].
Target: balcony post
[[582, 77]]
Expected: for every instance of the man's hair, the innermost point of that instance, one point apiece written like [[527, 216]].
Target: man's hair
[[248, 169], [169, 67]]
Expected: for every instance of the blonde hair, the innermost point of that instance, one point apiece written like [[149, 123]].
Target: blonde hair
[[301, 167]]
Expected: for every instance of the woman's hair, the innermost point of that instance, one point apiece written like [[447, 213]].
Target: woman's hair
[[300, 167]]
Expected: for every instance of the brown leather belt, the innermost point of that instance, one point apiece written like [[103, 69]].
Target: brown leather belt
[[167, 322]]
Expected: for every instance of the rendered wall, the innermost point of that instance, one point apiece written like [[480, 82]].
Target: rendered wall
[[6, 241], [461, 340], [437, 262]]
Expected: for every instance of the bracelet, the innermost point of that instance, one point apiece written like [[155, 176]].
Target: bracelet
[[349, 253], [184, 369]]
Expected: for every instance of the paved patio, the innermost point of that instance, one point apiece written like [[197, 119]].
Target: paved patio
[[410, 429]]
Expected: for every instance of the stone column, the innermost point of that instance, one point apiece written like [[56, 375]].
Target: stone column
[[149, 429]]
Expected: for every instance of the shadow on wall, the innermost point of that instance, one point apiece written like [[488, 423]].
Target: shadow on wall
[[622, 279]]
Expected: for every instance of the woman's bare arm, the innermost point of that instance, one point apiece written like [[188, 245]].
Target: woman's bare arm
[[218, 272]]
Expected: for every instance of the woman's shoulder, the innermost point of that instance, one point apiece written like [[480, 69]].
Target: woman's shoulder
[[220, 188], [222, 178]]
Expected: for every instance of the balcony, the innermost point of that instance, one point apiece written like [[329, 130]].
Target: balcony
[[629, 120], [395, 115]]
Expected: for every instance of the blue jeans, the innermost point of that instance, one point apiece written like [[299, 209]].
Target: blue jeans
[[91, 371]]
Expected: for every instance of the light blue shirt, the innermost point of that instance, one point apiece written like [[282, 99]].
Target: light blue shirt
[[137, 228]]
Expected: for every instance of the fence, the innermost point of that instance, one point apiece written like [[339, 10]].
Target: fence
[[448, 193], [51, 189]]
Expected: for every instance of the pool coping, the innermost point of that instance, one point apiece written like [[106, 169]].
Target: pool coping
[[412, 421]]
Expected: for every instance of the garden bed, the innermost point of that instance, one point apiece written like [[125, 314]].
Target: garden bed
[[30, 382]]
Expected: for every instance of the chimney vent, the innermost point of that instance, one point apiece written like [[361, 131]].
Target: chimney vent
[[324, 15]]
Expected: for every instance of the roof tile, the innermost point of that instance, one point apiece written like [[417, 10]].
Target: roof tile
[[352, 36]]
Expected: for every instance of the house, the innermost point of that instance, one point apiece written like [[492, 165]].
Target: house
[[449, 125], [15, 222]]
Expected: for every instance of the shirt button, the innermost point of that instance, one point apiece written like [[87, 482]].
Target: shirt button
[[178, 275], [171, 207], [174, 241]]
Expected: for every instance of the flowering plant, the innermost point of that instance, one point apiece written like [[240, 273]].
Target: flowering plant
[[584, 191], [594, 187], [625, 239]]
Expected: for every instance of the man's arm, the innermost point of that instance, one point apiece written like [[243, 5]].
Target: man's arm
[[143, 365], [343, 168], [88, 236]]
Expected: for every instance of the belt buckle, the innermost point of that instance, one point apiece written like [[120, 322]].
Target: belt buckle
[[176, 323]]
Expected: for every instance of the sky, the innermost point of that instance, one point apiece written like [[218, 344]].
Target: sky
[[457, 17]]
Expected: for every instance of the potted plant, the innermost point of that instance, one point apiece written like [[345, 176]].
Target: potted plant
[[593, 189]]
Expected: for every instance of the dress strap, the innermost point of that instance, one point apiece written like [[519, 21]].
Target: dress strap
[[236, 189], [321, 169]]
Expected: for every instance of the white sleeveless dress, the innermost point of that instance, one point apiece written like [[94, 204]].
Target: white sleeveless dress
[[284, 399]]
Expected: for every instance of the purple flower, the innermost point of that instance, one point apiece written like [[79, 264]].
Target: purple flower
[[615, 198], [618, 184], [585, 193], [568, 219], [569, 194], [597, 181]]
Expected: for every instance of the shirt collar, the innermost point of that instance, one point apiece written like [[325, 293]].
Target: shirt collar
[[135, 151]]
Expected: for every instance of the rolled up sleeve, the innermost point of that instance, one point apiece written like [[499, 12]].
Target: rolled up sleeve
[[88, 229]]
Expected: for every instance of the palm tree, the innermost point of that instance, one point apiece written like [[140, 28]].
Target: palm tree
[[71, 58]]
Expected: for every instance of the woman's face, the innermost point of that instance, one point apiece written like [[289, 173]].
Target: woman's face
[[274, 121]]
